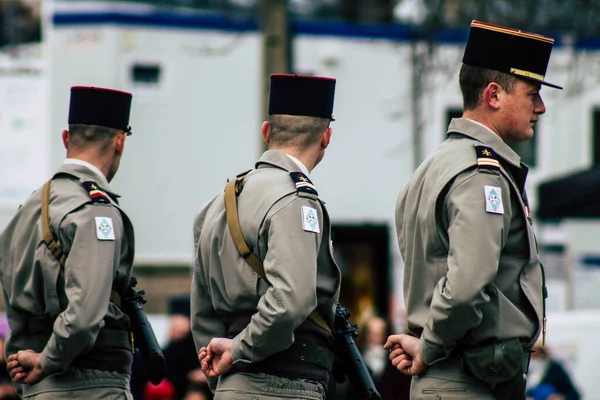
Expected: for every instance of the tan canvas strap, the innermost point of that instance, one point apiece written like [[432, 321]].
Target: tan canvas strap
[[232, 190], [51, 241], [233, 221], [49, 238], [115, 298]]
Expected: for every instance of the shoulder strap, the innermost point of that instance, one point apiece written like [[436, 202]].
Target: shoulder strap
[[233, 221], [49, 238], [232, 190], [304, 186], [487, 158], [51, 241], [96, 193]]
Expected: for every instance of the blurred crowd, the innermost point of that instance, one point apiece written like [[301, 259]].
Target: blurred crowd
[[7, 391], [548, 379], [184, 379]]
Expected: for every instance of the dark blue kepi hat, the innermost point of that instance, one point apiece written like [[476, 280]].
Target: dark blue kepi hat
[[509, 50], [99, 106], [310, 96]]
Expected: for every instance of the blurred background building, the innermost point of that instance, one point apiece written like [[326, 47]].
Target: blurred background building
[[197, 70]]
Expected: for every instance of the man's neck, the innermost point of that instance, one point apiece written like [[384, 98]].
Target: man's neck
[[99, 164], [481, 120], [304, 157], [300, 164]]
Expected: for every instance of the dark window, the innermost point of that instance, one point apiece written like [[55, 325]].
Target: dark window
[[452, 113], [363, 255], [145, 73], [596, 136]]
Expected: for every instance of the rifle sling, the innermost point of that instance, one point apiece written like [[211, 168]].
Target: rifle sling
[[232, 190]]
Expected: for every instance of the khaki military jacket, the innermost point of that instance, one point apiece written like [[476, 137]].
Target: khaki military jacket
[[99, 241], [472, 273], [296, 253]]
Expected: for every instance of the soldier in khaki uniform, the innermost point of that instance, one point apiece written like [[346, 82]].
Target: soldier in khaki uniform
[[473, 283], [265, 334], [68, 337]]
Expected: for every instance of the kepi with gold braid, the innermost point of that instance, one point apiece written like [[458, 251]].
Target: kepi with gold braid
[[509, 50]]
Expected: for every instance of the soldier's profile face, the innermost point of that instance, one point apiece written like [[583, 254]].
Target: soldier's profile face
[[521, 108]]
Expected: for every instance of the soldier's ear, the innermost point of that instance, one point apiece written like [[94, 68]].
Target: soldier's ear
[[65, 138], [326, 138], [491, 95], [120, 143], [266, 131]]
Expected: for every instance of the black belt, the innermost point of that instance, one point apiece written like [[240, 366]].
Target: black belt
[[299, 361], [308, 353], [107, 338], [114, 338]]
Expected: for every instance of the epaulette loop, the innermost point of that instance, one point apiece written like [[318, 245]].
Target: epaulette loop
[[487, 158], [303, 184], [96, 193]]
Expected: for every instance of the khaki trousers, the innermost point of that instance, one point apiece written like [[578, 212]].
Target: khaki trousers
[[85, 394], [75, 383], [257, 386], [447, 380]]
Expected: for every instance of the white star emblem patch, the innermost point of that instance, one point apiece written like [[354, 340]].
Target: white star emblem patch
[[493, 199], [310, 220], [104, 228]]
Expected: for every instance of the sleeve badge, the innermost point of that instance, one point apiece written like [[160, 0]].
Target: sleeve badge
[[310, 220], [104, 228], [493, 199]]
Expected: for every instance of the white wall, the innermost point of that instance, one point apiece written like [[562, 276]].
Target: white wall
[[190, 134], [24, 119], [370, 157]]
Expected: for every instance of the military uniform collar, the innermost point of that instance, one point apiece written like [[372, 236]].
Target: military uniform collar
[[300, 165], [486, 136], [85, 171], [278, 159]]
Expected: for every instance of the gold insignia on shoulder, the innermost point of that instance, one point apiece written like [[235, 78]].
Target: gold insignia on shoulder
[[486, 158]]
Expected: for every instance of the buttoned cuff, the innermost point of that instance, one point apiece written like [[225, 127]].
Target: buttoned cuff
[[50, 365], [239, 361], [431, 352]]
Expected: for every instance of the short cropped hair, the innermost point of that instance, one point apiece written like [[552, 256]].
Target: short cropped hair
[[473, 80], [297, 130], [84, 136]]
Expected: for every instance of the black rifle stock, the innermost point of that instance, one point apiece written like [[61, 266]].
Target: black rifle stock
[[143, 335], [352, 360]]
